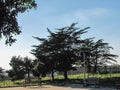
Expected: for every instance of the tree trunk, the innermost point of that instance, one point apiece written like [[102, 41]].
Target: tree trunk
[[95, 68], [39, 80], [95, 63], [65, 75], [52, 75], [29, 77]]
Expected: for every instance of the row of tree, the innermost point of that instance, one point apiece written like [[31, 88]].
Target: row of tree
[[24, 67], [60, 51], [63, 48]]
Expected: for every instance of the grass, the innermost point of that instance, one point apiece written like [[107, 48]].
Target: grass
[[105, 79], [9, 83], [6, 83]]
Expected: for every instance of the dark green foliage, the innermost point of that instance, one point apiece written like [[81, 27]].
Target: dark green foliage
[[9, 10], [1, 70], [27, 66], [20, 67], [17, 71], [39, 69], [96, 54], [1, 73], [63, 48], [59, 51], [101, 54]]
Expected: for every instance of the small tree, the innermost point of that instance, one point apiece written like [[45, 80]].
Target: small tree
[[17, 71], [1, 73], [101, 54], [27, 65], [96, 54]]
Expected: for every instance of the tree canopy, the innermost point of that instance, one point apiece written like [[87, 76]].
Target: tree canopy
[[9, 10], [63, 48], [17, 71], [59, 49], [20, 67]]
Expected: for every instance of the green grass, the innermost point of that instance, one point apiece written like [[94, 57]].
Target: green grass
[[106, 79], [81, 76], [101, 76], [6, 83], [9, 83]]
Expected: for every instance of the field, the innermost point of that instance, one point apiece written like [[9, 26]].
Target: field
[[105, 80]]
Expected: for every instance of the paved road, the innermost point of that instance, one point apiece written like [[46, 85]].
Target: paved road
[[51, 87]]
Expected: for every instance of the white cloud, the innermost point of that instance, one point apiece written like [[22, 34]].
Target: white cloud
[[6, 55]]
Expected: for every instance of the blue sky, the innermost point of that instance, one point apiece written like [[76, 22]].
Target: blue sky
[[101, 15]]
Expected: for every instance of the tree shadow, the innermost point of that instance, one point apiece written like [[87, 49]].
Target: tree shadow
[[80, 86]]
